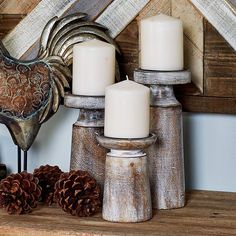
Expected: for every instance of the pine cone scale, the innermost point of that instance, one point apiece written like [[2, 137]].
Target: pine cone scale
[[48, 176], [17, 194], [78, 193]]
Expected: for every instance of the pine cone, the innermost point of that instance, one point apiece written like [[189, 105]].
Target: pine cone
[[78, 193], [48, 176], [19, 193]]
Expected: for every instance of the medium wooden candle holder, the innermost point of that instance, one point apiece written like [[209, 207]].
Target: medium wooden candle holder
[[166, 160], [86, 154], [127, 196]]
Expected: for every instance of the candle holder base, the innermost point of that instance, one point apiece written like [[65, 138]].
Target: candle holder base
[[127, 195], [86, 154], [166, 160]]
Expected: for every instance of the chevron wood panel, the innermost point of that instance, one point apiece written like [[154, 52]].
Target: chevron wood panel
[[91, 7], [28, 31], [222, 15], [8, 22], [17, 6], [219, 81]]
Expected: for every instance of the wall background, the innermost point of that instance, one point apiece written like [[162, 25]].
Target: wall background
[[209, 139]]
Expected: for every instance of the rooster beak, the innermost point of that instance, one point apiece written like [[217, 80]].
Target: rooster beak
[[24, 132]]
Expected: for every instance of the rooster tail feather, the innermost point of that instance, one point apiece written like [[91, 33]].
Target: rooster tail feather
[[56, 50]]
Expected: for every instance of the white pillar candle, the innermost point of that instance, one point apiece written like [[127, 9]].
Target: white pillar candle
[[93, 67], [127, 110], [161, 43]]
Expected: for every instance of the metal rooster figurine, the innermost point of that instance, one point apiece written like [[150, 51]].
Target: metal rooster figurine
[[31, 91]]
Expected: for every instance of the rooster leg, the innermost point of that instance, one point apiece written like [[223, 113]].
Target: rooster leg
[[25, 160], [19, 158]]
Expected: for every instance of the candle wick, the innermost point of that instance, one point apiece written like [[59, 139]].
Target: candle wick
[[127, 77]]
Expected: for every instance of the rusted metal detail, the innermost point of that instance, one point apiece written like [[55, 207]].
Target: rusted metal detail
[[127, 196], [25, 88], [86, 154], [166, 160]]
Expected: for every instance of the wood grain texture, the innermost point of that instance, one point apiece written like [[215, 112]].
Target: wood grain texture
[[165, 157], [149, 77], [206, 213], [154, 7], [91, 7], [127, 195], [119, 14], [19, 40], [128, 39], [194, 38], [133, 144], [166, 161], [207, 104], [8, 22], [220, 64], [17, 6], [222, 15], [86, 154]]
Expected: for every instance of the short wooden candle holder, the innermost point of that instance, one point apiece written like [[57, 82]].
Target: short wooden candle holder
[[166, 160], [86, 154], [127, 196]]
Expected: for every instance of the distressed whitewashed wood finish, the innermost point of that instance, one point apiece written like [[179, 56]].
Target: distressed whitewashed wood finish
[[116, 17], [165, 157], [127, 195], [17, 6], [119, 14], [28, 31], [194, 38], [86, 154], [222, 15], [154, 7]]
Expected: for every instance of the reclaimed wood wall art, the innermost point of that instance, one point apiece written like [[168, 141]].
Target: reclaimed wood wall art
[[210, 40]]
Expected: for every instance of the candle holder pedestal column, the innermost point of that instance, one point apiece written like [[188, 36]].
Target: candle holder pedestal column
[[86, 154], [127, 195], [166, 160]]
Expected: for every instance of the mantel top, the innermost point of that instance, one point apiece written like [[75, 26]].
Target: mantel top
[[206, 213]]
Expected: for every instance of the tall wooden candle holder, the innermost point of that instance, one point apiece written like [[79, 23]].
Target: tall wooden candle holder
[[166, 161], [127, 195], [86, 154]]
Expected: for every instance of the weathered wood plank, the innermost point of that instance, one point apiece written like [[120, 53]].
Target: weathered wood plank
[[128, 44], [222, 15], [206, 213], [119, 14], [220, 64], [221, 86], [154, 7], [205, 104], [17, 6], [128, 39], [91, 7], [8, 22], [194, 38], [28, 31], [22, 38]]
